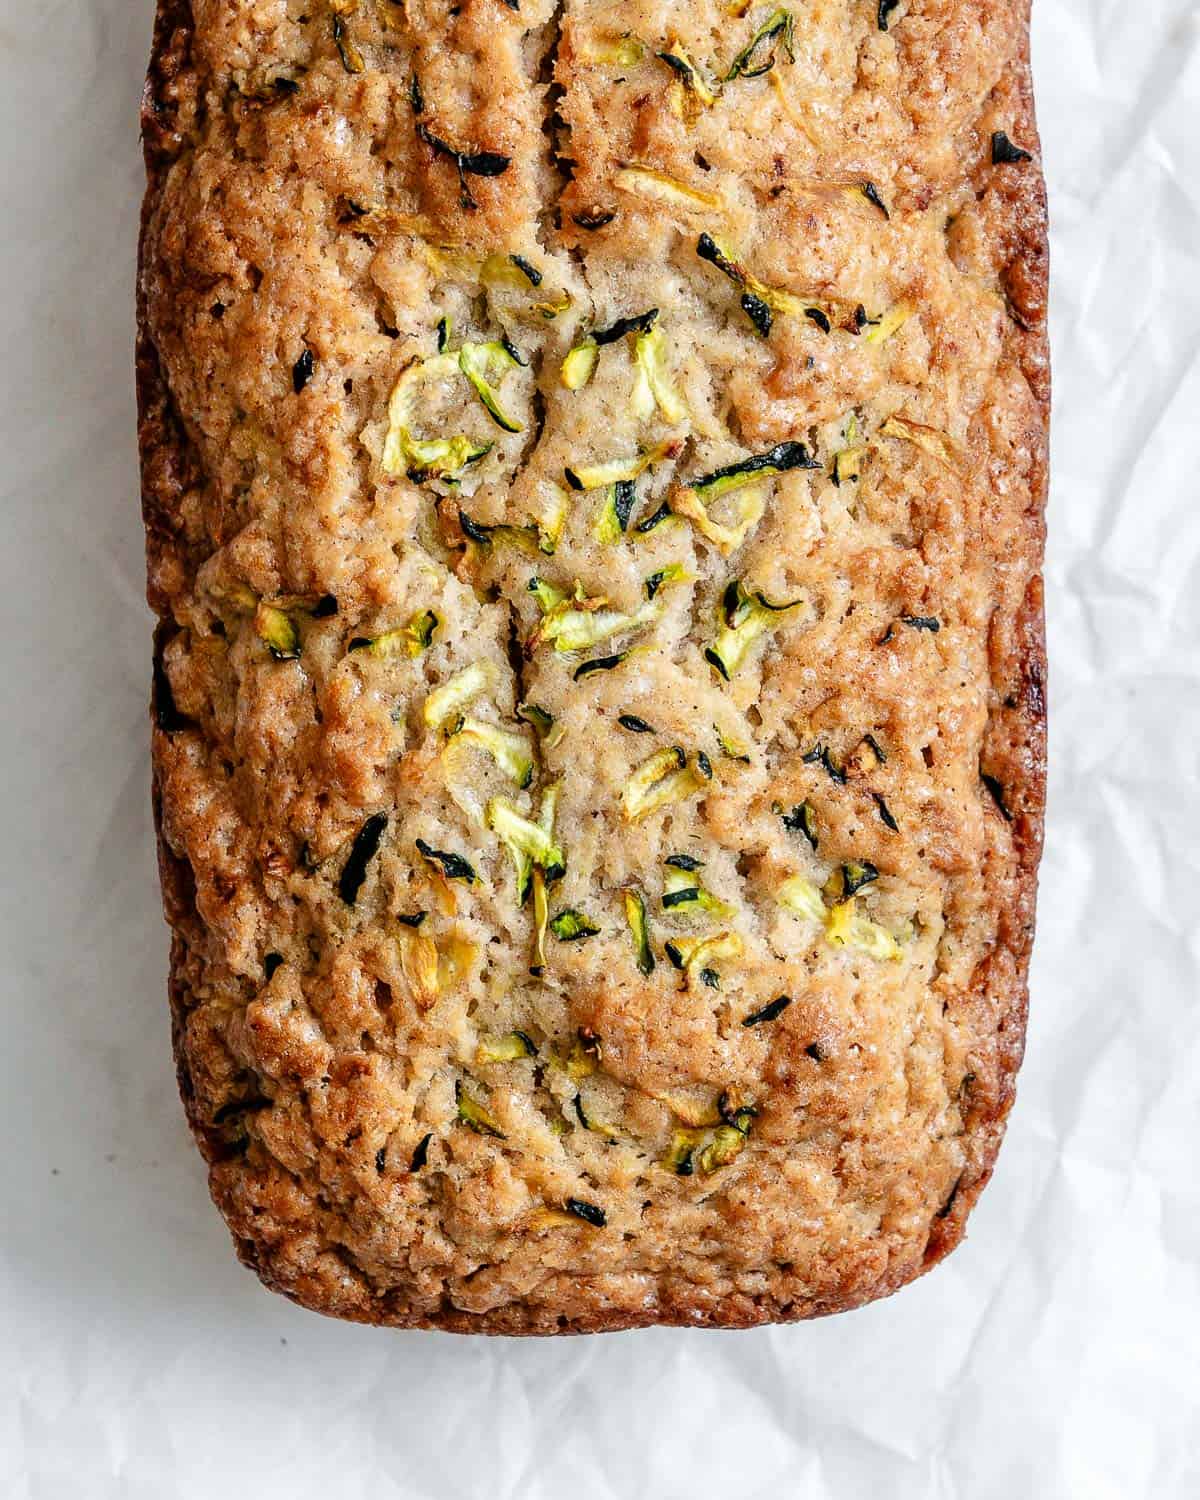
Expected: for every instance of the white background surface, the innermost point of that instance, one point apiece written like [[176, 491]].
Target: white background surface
[[1057, 1354]]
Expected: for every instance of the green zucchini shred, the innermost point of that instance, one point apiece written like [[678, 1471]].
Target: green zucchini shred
[[780, 24], [510, 1048], [570, 926], [473, 1114], [635, 915]]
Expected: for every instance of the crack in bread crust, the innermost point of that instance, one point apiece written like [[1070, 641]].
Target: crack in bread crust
[[304, 1225]]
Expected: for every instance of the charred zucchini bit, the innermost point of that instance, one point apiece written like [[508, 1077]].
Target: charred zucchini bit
[[801, 896], [501, 1049], [362, 851], [694, 92], [614, 517], [802, 819], [922, 622], [672, 573], [635, 725], [743, 618], [381, 1159], [780, 24], [530, 273], [510, 751], [731, 749], [844, 928], [653, 388], [277, 629], [271, 962], [454, 695], [571, 926], [929, 439], [769, 1012], [588, 1212], [596, 476], [711, 978], [886, 7], [598, 664], [412, 919], [408, 640], [681, 1152], [421, 458], [881, 329], [466, 163], [579, 365], [443, 334], [453, 866], [421, 1155], [778, 460], [996, 791], [635, 915], [1004, 153], [325, 607], [472, 1114], [871, 193], [820, 317], [874, 755], [594, 220], [646, 182], [821, 755], [847, 463], [665, 777], [621, 327], [352, 58], [477, 362], [302, 371], [849, 879], [885, 812], [534, 714], [758, 312]]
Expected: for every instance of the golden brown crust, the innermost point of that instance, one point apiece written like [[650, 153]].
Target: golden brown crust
[[279, 1232]]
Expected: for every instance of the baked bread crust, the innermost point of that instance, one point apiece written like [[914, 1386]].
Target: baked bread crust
[[297, 1222]]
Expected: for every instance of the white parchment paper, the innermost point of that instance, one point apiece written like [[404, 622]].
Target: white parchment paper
[[1055, 1355]]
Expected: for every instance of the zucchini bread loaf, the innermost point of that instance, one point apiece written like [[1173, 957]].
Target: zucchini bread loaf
[[593, 463]]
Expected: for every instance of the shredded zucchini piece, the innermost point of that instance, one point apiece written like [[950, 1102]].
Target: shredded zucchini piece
[[639, 926], [454, 694], [500, 1049], [276, 628], [694, 956], [682, 1150], [891, 322], [802, 897], [727, 539], [931, 439], [520, 834], [623, 51], [596, 476], [845, 928], [614, 515], [477, 361], [726, 1144], [417, 457], [743, 618], [571, 926], [650, 357], [511, 752], [473, 1114], [667, 776], [646, 182], [574, 628], [684, 895], [407, 640], [847, 462], [780, 24], [691, 91], [579, 365]]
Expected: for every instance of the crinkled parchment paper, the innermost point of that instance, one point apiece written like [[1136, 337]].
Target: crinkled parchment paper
[[1056, 1354]]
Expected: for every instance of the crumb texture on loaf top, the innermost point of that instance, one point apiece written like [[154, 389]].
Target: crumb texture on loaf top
[[593, 467]]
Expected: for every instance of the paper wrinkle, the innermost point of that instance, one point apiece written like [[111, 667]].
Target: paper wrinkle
[[1055, 1356]]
